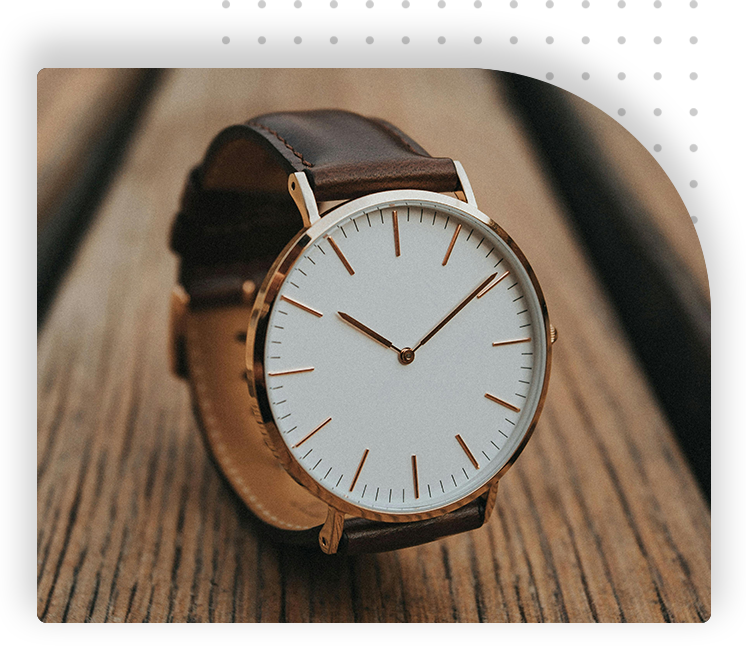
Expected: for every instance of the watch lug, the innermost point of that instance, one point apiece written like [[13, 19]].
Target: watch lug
[[465, 193], [331, 531], [176, 329], [301, 192], [489, 501]]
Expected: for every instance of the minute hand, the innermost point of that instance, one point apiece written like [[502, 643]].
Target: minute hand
[[455, 311]]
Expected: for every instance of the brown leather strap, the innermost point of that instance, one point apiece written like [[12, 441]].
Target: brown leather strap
[[364, 536], [236, 216], [236, 209], [345, 155]]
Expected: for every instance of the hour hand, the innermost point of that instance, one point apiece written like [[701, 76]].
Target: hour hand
[[367, 331]]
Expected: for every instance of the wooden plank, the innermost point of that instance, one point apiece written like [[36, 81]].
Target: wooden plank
[[74, 108], [643, 175], [83, 120], [626, 212], [600, 518]]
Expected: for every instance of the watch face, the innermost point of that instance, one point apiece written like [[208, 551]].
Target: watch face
[[404, 355]]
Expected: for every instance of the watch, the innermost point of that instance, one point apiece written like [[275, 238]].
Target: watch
[[367, 352]]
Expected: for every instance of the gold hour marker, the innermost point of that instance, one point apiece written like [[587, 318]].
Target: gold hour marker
[[452, 243], [359, 469], [507, 405], [339, 253], [291, 371], [321, 426], [395, 220], [511, 341], [414, 477], [467, 451], [489, 287], [302, 306]]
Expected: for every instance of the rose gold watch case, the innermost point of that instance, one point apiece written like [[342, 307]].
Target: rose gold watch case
[[257, 332]]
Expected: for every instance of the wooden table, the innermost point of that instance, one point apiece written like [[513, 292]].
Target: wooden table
[[599, 520]]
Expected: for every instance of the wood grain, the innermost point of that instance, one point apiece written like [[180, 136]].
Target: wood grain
[[74, 109], [599, 520], [84, 119], [625, 211]]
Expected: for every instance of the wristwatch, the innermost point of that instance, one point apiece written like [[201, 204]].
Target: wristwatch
[[367, 352]]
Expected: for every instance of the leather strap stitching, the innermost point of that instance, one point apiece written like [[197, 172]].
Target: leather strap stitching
[[211, 422], [284, 141]]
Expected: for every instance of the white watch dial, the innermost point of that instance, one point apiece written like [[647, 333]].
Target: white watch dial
[[404, 357]]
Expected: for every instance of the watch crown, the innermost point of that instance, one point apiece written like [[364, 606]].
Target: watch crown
[[553, 334]]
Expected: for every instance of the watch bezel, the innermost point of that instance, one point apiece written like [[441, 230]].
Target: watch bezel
[[257, 333]]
